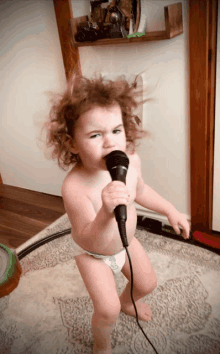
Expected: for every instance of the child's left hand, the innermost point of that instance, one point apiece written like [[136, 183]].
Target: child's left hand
[[175, 218]]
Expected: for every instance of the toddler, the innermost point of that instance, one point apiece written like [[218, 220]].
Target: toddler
[[91, 119]]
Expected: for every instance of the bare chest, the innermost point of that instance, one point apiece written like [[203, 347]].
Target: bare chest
[[95, 193], [93, 190]]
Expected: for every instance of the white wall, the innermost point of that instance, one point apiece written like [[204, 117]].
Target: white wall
[[32, 64], [166, 158], [216, 186]]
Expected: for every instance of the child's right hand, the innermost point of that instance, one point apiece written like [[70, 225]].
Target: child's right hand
[[115, 193]]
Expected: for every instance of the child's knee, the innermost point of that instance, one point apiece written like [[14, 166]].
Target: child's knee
[[149, 284], [152, 283], [108, 312]]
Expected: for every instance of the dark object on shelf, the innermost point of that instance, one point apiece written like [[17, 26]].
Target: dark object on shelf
[[117, 18], [88, 32], [107, 21], [173, 27], [136, 14]]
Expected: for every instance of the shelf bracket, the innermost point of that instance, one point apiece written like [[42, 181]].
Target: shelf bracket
[[173, 20]]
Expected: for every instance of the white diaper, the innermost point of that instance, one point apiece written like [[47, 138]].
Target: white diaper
[[115, 262]]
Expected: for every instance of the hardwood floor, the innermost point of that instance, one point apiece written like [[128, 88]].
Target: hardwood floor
[[24, 213]]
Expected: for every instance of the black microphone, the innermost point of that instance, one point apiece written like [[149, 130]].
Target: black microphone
[[117, 164]]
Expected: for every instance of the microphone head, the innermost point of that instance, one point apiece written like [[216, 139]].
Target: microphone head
[[116, 158]]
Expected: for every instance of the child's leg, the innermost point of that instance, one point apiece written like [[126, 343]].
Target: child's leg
[[144, 281], [99, 281]]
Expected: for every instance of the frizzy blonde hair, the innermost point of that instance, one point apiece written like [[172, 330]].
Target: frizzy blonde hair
[[81, 95]]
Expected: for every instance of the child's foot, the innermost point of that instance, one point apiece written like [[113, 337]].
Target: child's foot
[[143, 310], [96, 350]]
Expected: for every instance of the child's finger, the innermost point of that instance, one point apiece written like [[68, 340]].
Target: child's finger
[[185, 233], [176, 229]]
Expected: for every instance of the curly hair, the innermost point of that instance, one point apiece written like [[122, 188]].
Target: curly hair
[[81, 95]]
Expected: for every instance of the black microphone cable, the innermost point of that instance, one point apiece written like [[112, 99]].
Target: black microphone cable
[[117, 164], [122, 231]]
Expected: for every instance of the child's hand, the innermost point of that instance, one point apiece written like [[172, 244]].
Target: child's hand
[[113, 194], [175, 218]]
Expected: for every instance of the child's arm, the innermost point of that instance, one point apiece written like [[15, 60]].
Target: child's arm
[[148, 198], [94, 230]]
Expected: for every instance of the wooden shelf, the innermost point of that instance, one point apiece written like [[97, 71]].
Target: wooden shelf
[[173, 27], [66, 25]]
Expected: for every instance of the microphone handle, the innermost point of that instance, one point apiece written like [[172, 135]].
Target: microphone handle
[[121, 217], [118, 174], [120, 211]]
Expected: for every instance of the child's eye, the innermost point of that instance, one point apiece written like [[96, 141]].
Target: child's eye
[[93, 136], [115, 131]]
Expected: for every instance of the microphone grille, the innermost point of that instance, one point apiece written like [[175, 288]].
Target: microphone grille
[[116, 158]]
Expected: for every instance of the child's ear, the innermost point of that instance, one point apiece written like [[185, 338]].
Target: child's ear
[[73, 147], [74, 150]]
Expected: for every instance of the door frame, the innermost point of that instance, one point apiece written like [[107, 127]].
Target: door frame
[[202, 56], [202, 68]]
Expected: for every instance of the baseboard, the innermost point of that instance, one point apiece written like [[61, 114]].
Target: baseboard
[[146, 213], [156, 223], [159, 225]]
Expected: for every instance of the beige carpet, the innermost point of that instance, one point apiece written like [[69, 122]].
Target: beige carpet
[[50, 310]]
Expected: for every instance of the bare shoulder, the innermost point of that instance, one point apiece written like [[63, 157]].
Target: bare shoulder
[[135, 163], [134, 157], [72, 182], [69, 179]]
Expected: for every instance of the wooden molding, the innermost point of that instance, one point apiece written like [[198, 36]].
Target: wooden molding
[[63, 12], [1, 181], [212, 60], [202, 53]]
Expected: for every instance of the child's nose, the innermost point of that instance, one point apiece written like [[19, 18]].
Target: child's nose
[[108, 142]]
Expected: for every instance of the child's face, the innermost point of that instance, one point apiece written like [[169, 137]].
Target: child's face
[[97, 133]]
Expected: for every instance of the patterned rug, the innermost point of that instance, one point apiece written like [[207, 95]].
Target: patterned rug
[[50, 311]]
